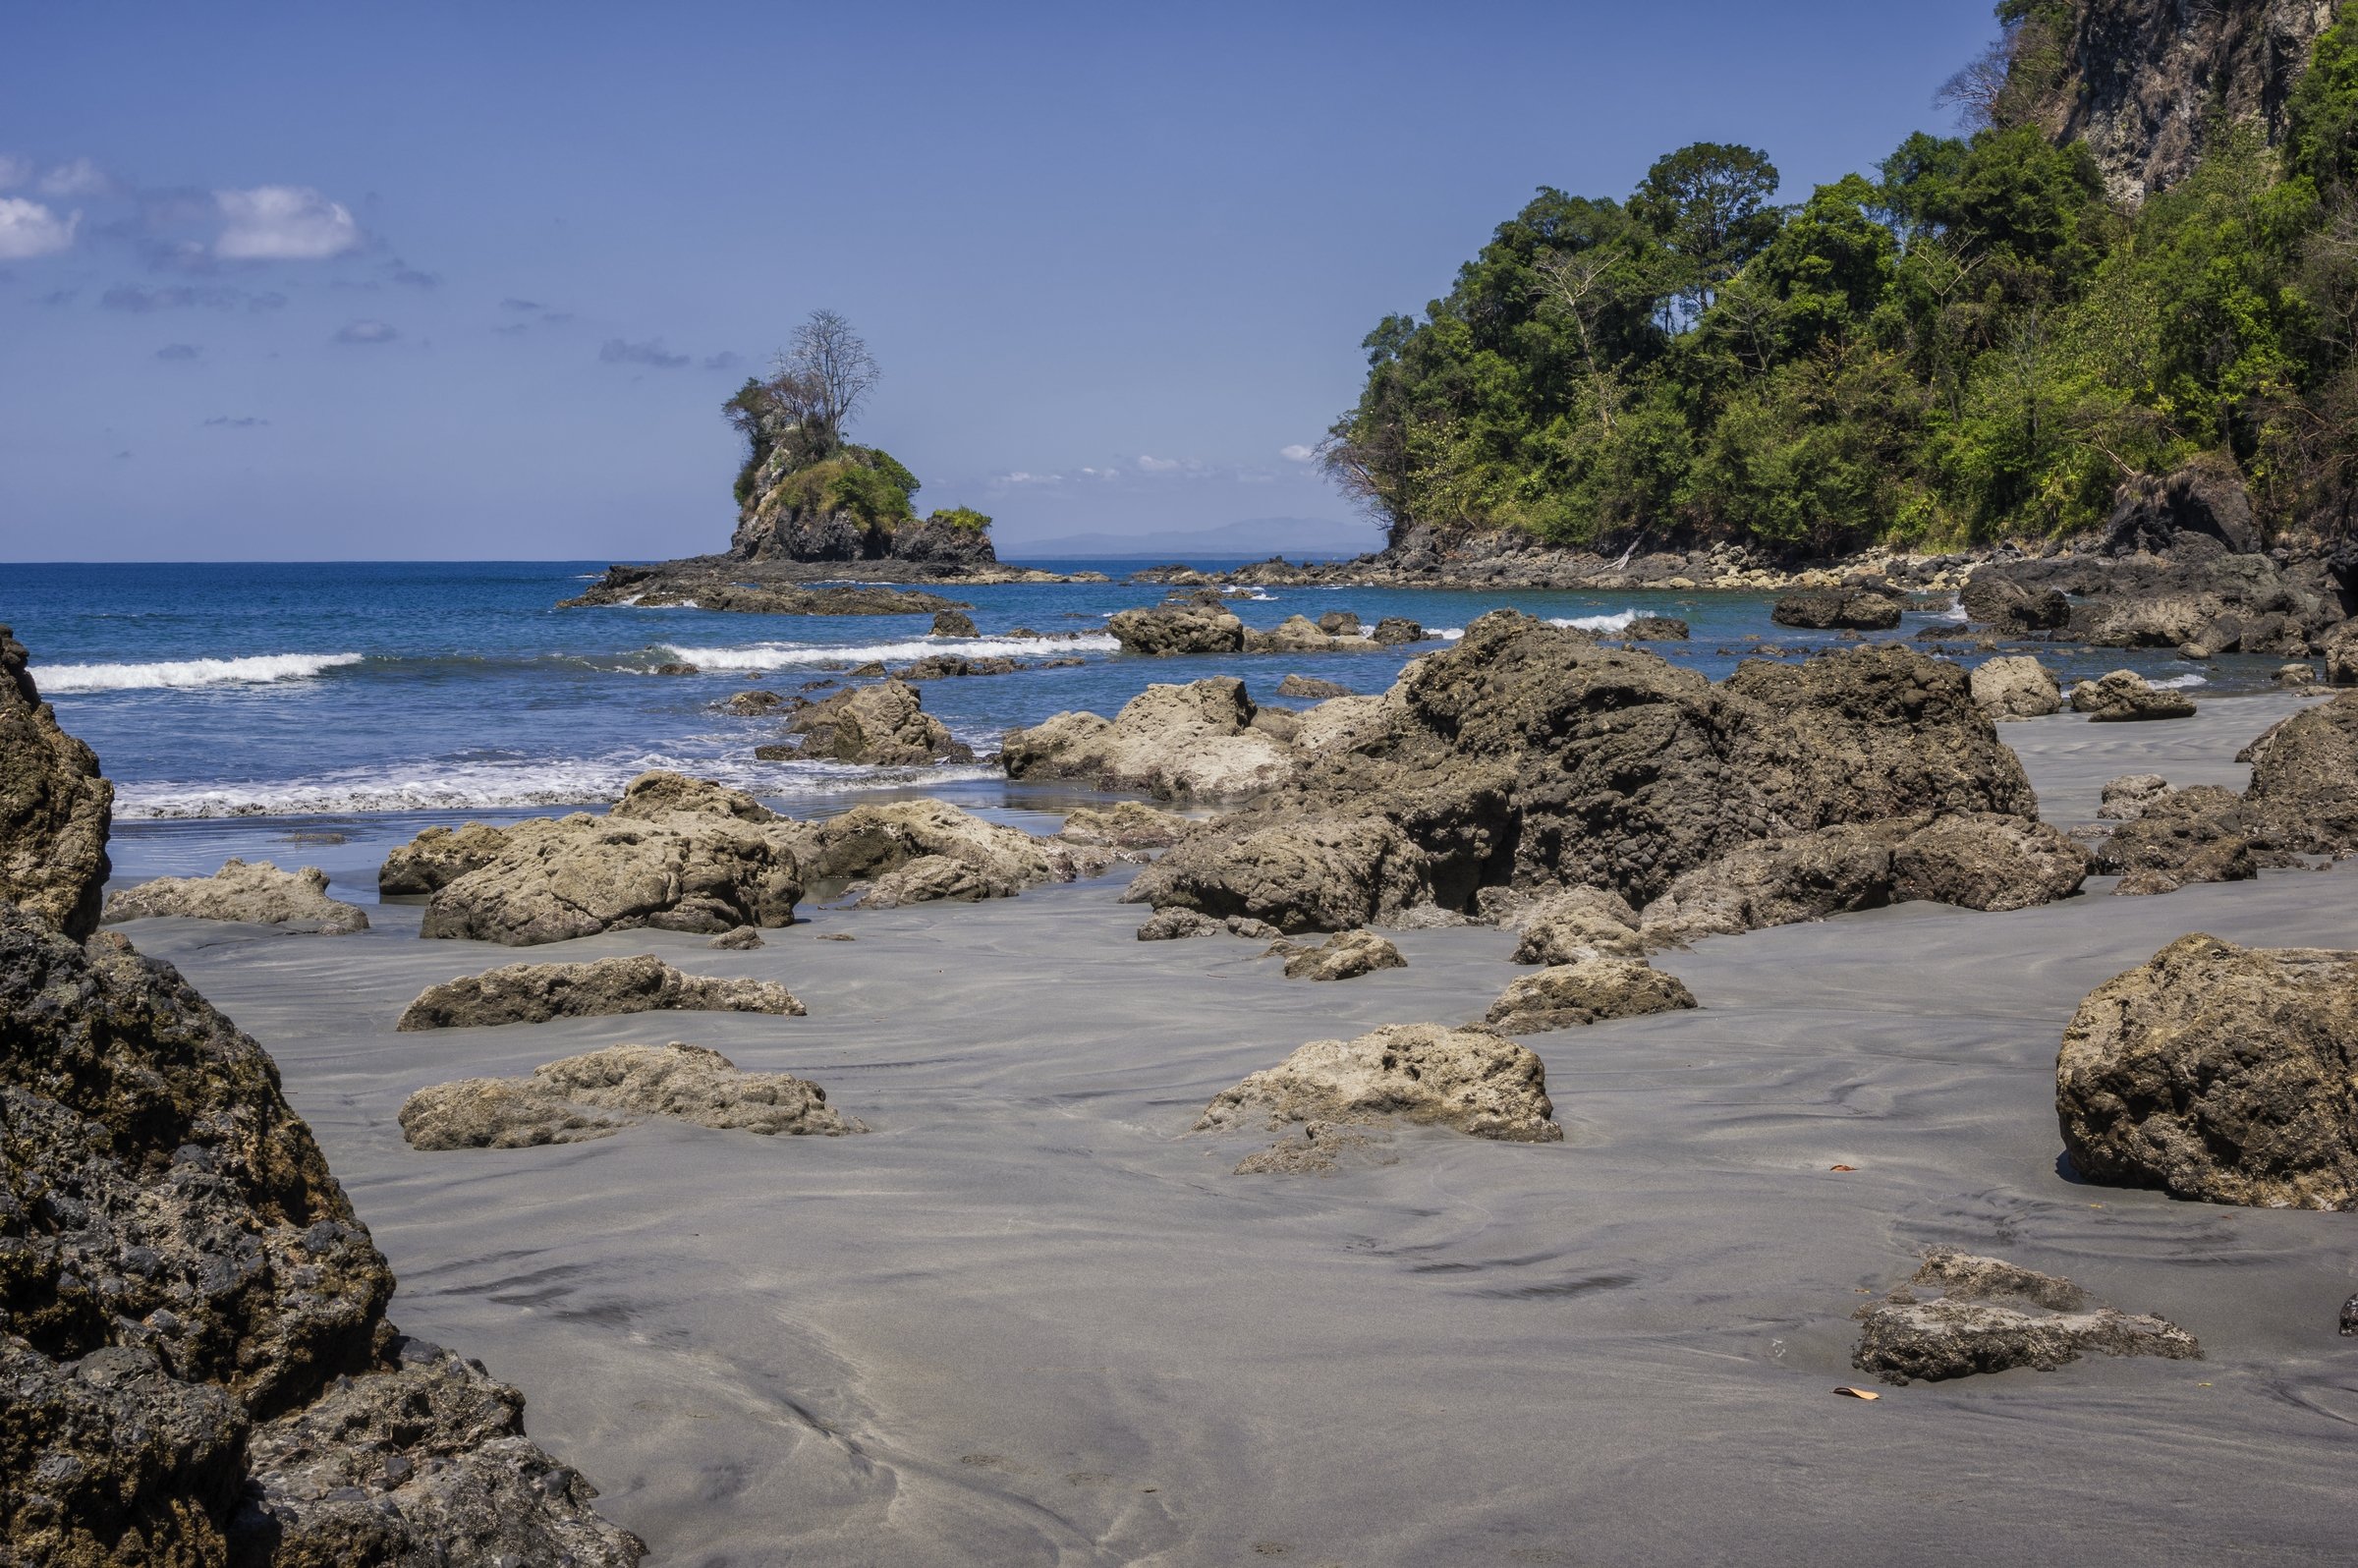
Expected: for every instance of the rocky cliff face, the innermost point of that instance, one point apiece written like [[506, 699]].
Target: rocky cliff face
[[193, 1341], [2143, 80]]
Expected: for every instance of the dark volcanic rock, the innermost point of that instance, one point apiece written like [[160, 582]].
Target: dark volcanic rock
[[1837, 609], [2219, 1073], [716, 582], [1656, 629], [1995, 600], [186, 1285], [1992, 1316], [2158, 515], [953, 623], [54, 807], [1394, 630]]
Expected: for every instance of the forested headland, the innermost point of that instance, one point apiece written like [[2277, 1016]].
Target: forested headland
[[1981, 339]]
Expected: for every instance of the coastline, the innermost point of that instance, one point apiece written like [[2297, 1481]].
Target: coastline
[[991, 1330]]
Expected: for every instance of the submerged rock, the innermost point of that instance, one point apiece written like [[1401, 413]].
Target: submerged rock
[[196, 1316], [1656, 629], [1589, 989], [2016, 687], [438, 856], [258, 894], [2125, 696], [1346, 955], [534, 993], [2219, 1073], [1471, 1080], [674, 854], [1992, 1316], [600, 1092], [54, 807]]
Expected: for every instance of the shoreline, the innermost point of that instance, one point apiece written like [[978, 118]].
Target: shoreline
[[1031, 1316]]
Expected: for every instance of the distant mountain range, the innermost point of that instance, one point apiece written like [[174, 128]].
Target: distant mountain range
[[1256, 538]]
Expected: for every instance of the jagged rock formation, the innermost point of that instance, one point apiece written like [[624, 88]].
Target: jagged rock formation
[[725, 582], [54, 807], [2219, 1073], [913, 852], [1532, 756], [1837, 609], [258, 894], [882, 725], [2125, 696], [438, 856], [534, 993], [1125, 824], [600, 1092], [1200, 742], [2144, 81], [1991, 1316]]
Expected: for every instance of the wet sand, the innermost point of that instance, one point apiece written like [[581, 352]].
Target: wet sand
[[1031, 1319]]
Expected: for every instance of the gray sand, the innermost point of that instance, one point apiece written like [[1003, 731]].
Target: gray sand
[[1029, 1319]]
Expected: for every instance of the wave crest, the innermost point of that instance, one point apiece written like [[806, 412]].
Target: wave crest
[[793, 655], [262, 669]]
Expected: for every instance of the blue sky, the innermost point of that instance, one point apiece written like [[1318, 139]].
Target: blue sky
[[428, 281]]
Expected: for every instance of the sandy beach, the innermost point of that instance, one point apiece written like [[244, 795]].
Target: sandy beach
[[1030, 1319]]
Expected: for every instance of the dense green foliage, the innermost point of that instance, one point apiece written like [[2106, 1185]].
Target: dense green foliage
[[964, 518], [1972, 343], [863, 481]]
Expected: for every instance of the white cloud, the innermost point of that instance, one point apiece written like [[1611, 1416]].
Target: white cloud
[[28, 229], [368, 332], [283, 223], [1020, 477], [1155, 465], [14, 171], [81, 177], [1297, 453]]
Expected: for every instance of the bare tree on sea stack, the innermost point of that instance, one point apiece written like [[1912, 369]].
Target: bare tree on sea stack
[[815, 385]]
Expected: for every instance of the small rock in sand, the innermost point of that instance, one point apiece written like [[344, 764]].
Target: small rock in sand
[[2125, 696], [1587, 989], [602, 1091], [2296, 675], [744, 940], [1346, 955], [1992, 1316], [2016, 687], [256, 894], [1172, 924], [534, 993]]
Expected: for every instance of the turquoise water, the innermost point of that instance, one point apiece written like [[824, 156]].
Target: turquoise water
[[243, 701]]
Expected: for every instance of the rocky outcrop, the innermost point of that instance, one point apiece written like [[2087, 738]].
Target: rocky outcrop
[[2158, 516], [2016, 687], [1656, 629], [913, 852], [534, 993], [195, 1317], [2006, 607], [1346, 955], [952, 623], [1984, 862], [1781, 881], [2339, 648], [1567, 926], [2219, 1073], [1534, 757], [54, 807], [1167, 629], [2179, 837], [438, 856], [885, 725], [674, 854], [1175, 924], [1311, 687], [2125, 698], [1587, 989], [2197, 598], [1989, 1316], [1837, 609], [1471, 1081], [256, 894], [2146, 82], [1187, 743], [1395, 630], [600, 1093], [1299, 634], [718, 582], [2126, 798], [1126, 824]]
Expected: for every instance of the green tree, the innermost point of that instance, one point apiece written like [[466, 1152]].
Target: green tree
[[1709, 203]]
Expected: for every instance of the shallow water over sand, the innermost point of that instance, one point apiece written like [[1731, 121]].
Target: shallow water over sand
[[1031, 1319]]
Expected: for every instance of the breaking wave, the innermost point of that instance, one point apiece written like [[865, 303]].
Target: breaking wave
[[797, 655], [260, 670], [1618, 621]]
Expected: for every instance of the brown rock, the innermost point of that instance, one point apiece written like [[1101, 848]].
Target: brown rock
[[259, 894], [54, 807], [1471, 1080], [600, 1092], [1589, 990], [534, 993], [1346, 955]]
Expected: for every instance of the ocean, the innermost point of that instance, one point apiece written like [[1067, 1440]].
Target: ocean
[[322, 711]]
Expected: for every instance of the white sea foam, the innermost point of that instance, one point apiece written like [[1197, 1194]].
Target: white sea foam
[[494, 786], [261, 669], [1955, 612], [1618, 621], [794, 655], [2179, 682], [1449, 634]]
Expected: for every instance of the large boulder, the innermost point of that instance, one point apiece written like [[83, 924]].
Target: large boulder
[[1162, 631], [54, 807], [256, 894], [438, 856], [2179, 837], [534, 993], [1778, 881], [2159, 516], [1299, 634], [2305, 781], [674, 854], [1589, 990], [2125, 696], [2016, 687], [1303, 874], [195, 1317], [2339, 648], [883, 726], [600, 1092], [911, 851], [1471, 1080], [1565, 926], [1837, 609], [1197, 742], [2219, 1073], [1989, 1316], [1987, 862], [2005, 606]]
